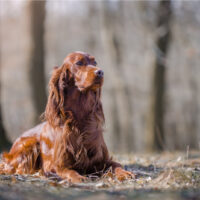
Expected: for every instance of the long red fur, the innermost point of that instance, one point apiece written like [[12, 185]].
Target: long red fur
[[70, 142]]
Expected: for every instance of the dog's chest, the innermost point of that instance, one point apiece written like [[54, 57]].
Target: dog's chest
[[90, 153]]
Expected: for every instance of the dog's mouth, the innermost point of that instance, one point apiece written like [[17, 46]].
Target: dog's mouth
[[97, 83]]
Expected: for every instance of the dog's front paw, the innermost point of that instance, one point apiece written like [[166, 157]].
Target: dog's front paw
[[76, 178], [122, 174]]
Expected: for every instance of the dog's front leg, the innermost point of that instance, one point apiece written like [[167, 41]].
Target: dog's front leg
[[120, 173], [71, 175]]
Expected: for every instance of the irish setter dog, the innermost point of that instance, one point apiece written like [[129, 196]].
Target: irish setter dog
[[69, 143]]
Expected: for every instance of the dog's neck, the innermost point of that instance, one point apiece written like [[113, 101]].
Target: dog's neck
[[84, 105]]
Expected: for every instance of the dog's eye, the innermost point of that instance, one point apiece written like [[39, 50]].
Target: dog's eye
[[80, 63], [95, 63]]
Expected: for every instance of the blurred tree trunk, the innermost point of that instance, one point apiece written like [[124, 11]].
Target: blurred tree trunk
[[156, 140], [121, 104], [37, 72], [4, 142], [23, 94], [182, 118]]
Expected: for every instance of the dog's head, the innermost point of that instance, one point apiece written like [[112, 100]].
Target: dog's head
[[78, 72], [81, 69]]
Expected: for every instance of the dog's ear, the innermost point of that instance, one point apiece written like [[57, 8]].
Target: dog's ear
[[58, 84]]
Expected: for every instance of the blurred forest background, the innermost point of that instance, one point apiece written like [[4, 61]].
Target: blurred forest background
[[149, 51]]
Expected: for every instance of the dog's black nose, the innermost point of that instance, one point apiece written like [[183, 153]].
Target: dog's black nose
[[99, 73]]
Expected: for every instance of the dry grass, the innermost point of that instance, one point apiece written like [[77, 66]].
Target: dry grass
[[153, 171], [158, 176]]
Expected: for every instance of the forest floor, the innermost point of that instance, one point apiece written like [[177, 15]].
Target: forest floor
[[163, 176]]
